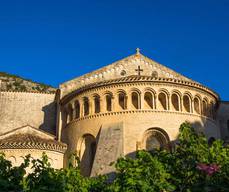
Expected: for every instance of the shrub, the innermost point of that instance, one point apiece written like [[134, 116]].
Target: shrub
[[192, 166]]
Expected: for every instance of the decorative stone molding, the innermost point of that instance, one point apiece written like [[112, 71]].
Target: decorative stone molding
[[138, 111], [29, 141], [138, 80]]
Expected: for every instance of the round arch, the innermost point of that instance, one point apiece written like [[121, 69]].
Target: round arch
[[163, 100], [122, 99], [205, 106], [86, 148], [136, 98], [176, 100], [187, 102], [155, 138]]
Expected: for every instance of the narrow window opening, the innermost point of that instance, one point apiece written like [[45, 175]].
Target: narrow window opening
[[86, 107], [162, 101], [135, 100], [197, 105], [175, 102], [77, 109], [148, 97], [187, 103], [109, 102], [97, 104], [122, 100]]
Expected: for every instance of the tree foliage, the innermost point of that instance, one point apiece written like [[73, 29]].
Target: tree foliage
[[192, 165]]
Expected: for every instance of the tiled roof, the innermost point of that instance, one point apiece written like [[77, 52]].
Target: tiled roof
[[29, 141]]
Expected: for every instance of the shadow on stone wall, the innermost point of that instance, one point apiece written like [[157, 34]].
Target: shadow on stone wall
[[199, 126], [49, 123]]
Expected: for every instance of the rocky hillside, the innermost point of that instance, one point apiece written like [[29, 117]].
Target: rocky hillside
[[10, 82]]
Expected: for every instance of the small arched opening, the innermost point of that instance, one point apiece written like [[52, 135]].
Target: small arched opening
[[97, 104], [187, 103], [122, 100], [135, 100], [77, 109], [70, 113], [205, 107], [197, 105], [109, 102], [86, 106], [87, 150], [155, 138], [149, 100], [175, 102], [163, 101]]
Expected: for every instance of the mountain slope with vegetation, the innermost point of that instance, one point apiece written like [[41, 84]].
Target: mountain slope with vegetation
[[10, 82]]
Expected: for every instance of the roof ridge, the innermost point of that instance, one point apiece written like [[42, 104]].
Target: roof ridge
[[114, 71]]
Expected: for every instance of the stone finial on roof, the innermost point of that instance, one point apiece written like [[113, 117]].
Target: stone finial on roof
[[137, 51]]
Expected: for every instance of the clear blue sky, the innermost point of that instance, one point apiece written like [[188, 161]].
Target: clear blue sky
[[54, 41]]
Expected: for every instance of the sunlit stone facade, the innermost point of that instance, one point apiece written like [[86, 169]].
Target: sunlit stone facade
[[134, 103]]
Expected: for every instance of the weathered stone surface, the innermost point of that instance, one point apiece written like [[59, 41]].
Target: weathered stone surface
[[109, 148], [22, 108]]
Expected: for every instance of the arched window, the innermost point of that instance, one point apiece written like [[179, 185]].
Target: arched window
[[87, 150], [175, 102], [97, 104], [205, 107], [148, 98], [64, 116], [122, 100], [155, 139], [187, 103], [70, 113], [162, 101], [77, 109], [109, 102], [135, 100], [86, 106], [197, 105]]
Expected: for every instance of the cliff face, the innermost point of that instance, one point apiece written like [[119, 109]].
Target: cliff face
[[10, 82]]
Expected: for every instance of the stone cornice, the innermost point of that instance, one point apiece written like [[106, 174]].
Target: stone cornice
[[138, 111], [139, 79]]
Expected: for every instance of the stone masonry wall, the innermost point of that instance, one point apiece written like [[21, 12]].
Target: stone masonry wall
[[22, 108]]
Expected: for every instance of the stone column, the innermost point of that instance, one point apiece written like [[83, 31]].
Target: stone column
[[129, 102], [81, 101], [73, 110], [142, 101], [191, 105], [170, 105], [169, 101], [155, 101], [91, 102], [180, 103], [115, 104], [103, 104]]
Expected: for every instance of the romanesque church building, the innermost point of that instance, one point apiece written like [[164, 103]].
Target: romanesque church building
[[134, 103]]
